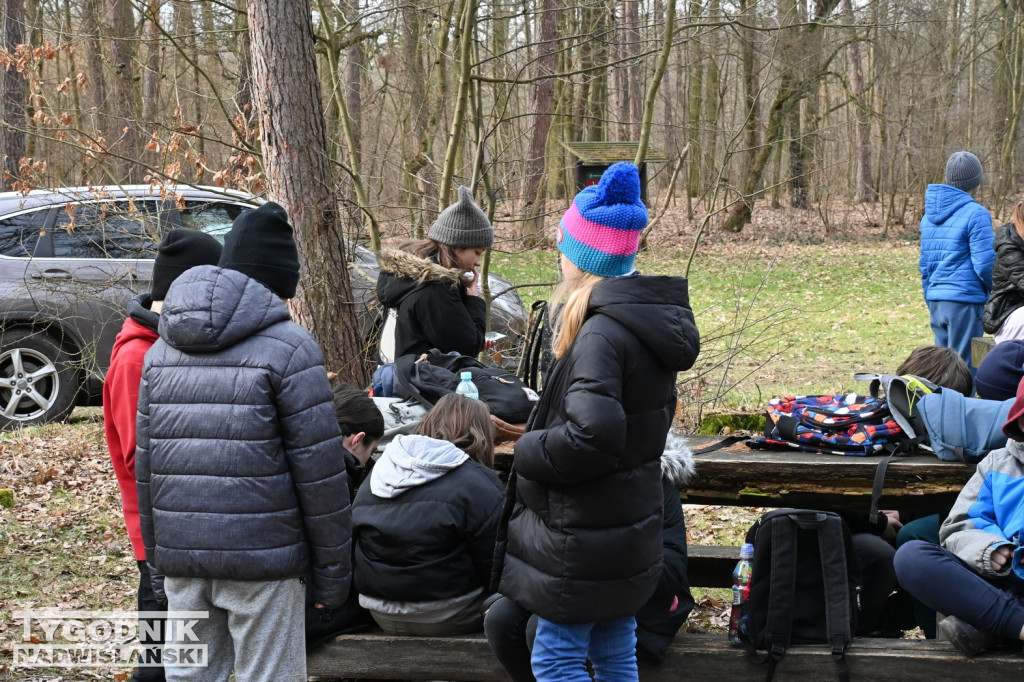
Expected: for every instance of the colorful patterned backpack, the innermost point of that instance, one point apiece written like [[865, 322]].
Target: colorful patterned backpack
[[842, 424]]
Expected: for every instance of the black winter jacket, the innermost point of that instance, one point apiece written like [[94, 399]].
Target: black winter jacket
[[584, 539], [1007, 279], [660, 618], [434, 308], [239, 465], [425, 522]]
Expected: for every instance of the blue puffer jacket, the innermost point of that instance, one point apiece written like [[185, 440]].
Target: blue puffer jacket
[[956, 247], [239, 466]]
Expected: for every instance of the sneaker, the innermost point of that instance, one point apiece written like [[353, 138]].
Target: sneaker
[[965, 638]]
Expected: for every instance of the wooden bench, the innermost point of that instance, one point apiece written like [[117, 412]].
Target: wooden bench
[[740, 476], [691, 657]]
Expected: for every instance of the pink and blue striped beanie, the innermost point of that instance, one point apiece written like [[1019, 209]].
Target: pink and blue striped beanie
[[600, 233]]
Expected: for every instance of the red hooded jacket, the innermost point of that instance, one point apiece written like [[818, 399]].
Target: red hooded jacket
[[120, 404]]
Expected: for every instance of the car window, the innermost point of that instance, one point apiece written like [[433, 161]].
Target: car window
[[107, 229], [212, 217], [19, 234]]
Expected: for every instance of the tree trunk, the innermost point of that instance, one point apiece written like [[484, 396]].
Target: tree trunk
[[864, 181], [95, 80], [299, 176], [534, 189], [418, 167], [752, 119], [457, 130], [652, 89], [14, 96], [151, 83], [119, 35]]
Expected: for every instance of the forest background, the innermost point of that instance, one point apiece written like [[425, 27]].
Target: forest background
[[797, 138]]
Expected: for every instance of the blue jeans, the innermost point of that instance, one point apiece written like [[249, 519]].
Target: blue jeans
[[954, 324], [946, 583], [560, 651]]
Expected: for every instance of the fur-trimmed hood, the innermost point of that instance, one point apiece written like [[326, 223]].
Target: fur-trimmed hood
[[401, 273], [677, 460]]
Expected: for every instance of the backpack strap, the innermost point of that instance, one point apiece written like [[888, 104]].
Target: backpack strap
[[904, 449], [782, 591], [838, 609], [724, 443]]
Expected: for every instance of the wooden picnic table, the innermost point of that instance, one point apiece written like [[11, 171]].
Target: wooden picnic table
[[740, 476]]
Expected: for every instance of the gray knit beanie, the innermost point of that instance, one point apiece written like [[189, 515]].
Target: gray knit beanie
[[463, 225], [963, 171]]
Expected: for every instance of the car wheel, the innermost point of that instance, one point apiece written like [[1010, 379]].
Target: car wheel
[[38, 382]]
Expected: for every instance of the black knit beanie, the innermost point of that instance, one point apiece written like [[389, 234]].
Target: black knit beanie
[[261, 244], [1000, 371], [180, 250]]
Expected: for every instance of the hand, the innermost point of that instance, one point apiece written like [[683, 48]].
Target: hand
[[1000, 557], [893, 525], [318, 605], [489, 344], [473, 286]]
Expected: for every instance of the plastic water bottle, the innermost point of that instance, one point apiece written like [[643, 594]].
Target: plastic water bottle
[[466, 387], [740, 591]]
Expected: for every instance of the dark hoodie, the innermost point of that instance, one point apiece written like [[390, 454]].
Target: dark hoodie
[[584, 540], [239, 466], [434, 308]]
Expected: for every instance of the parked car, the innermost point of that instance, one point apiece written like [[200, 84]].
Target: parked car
[[71, 259]]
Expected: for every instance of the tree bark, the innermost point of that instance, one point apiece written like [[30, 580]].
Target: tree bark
[[119, 35], [457, 130], [151, 83], [534, 189], [865, 189], [298, 170], [14, 96]]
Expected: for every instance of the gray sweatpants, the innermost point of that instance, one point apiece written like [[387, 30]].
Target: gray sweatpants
[[256, 627]]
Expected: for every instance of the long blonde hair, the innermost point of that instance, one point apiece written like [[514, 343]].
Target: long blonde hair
[[1018, 218], [573, 297]]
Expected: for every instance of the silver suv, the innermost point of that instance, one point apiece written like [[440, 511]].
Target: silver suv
[[71, 259]]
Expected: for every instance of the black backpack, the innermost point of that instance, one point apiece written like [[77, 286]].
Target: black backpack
[[804, 586], [426, 380]]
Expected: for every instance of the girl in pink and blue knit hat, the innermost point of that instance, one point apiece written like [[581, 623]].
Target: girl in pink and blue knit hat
[[584, 540]]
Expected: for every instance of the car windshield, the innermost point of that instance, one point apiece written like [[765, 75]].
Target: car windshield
[[213, 218]]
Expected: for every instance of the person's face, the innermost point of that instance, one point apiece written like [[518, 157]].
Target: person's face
[[360, 446], [569, 269], [468, 259]]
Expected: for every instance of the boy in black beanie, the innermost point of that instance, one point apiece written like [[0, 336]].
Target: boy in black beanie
[[180, 250], [240, 470]]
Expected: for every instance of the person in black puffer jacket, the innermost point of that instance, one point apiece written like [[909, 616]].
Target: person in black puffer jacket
[[425, 524], [510, 628], [581, 544], [1004, 310], [433, 285], [239, 468]]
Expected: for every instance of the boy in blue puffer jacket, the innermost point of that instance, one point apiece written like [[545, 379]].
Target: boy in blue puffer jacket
[[956, 255]]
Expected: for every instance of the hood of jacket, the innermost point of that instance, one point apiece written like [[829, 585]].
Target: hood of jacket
[[410, 461], [656, 309], [677, 461], [942, 201], [1007, 239], [138, 310], [401, 273], [209, 308]]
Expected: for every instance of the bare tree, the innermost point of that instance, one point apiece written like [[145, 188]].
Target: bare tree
[[14, 95], [294, 145]]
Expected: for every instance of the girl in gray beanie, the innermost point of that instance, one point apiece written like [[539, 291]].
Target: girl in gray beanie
[[431, 286]]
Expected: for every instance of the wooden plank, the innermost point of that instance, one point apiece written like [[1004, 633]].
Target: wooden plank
[[710, 565], [741, 476], [691, 657], [980, 346]]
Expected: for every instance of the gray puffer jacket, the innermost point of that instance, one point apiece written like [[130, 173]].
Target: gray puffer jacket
[[239, 464]]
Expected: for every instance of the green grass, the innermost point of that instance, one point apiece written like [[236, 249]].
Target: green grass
[[780, 319]]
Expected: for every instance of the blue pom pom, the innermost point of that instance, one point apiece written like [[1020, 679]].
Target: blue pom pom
[[620, 184]]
